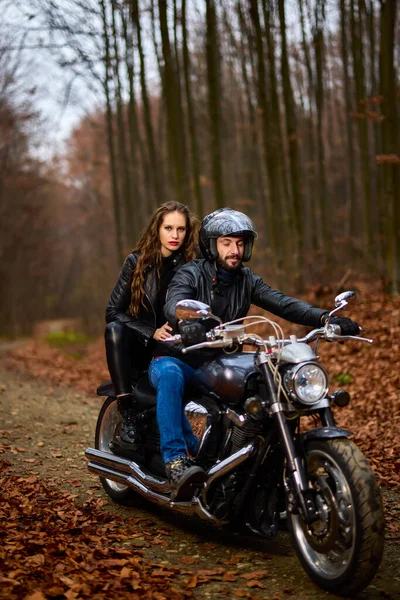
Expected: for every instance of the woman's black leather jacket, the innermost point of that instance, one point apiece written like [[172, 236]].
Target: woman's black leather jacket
[[120, 299]]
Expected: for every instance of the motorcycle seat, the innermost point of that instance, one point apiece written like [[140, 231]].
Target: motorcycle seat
[[144, 394], [106, 389], [143, 391]]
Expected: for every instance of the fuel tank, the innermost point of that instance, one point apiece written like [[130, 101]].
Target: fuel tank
[[225, 377]]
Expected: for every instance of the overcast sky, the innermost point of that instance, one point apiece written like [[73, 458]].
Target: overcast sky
[[23, 21], [21, 24]]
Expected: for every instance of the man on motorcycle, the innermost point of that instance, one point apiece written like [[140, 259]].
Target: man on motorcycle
[[221, 281]]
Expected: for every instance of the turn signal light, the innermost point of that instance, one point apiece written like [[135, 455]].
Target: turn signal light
[[341, 398], [254, 406]]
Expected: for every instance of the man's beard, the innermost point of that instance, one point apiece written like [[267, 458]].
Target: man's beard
[[221, 262]]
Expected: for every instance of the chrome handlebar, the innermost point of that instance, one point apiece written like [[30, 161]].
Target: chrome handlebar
[[328, 333]]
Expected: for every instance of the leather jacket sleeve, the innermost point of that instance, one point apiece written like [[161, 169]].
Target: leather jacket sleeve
[[182, 286], [120, 300], [288, 308]]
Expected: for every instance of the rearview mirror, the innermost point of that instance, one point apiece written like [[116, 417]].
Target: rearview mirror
[[341, 301], [343, 298], [192, 309]]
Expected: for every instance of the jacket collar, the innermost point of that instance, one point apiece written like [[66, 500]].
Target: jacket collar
[[211, 269], [177, 261]]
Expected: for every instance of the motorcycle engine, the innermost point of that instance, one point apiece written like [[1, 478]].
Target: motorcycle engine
[[229, 488], [225, 493], [242, 435]]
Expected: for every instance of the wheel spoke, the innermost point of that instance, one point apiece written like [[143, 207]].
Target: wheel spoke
[[329, 543]]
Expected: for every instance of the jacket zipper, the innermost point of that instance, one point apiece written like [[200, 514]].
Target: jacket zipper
[[154, 312], [151, 304]]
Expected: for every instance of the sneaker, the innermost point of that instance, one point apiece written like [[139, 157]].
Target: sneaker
[[184, 476]]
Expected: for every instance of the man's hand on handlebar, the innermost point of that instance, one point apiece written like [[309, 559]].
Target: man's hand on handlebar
[[347, 326], [192, 332]]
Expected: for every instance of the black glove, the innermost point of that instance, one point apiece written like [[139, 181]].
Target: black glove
[[192, 332], [347, 326]]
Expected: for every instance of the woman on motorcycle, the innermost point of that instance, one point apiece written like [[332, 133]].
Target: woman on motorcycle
[[134, 315]]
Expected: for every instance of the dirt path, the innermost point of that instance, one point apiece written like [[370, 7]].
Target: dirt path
[[44, 432]]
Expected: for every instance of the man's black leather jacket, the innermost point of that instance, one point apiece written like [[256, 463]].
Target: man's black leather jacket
[[120, 299], [195, 280]]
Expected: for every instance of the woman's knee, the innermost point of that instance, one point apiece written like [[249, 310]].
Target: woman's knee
[[167, 372], [114, 332]]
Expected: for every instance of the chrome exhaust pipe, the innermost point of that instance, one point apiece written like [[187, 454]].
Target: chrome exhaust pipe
[[229, 463], [122, 466], [127, 467], [130, 473], [194, 507]]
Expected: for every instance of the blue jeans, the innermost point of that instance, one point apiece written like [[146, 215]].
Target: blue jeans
[[168, 375]]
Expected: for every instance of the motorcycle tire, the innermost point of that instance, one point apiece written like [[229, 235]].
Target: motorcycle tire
[[108, 422], [342, 551]]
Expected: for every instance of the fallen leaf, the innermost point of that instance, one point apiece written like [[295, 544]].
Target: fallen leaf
[[233, 560], [254, 574], [253, 583], [188, 560], [35, 596], [126, 572], [207, 546], [191, 582], [230, 576]]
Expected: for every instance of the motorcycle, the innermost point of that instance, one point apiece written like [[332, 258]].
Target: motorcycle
[[267, 468]]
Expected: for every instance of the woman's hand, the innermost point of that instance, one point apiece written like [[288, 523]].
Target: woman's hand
[[162, 334]]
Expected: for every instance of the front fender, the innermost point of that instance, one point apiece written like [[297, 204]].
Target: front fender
[[326, 433]]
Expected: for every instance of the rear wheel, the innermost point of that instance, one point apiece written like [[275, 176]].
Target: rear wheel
[[342, 551], [107, 426]]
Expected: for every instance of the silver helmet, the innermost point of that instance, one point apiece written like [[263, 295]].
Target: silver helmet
[[226, 222]]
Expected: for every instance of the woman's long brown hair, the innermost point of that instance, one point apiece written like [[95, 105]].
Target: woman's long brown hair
[[149, 248]]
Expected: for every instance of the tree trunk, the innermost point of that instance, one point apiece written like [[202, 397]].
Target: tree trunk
[[276, 135], [274, 221], [191, 116], [110, 135], [180, 112], [135, 142], [323, 193], [155, 179], [314, 229], [252, 162], [214, 93], [122, 150], [293, 136], [363, 138], [170, 91], [351, 206], [235, 146], [390, 158], [154, 36], [377, 216]]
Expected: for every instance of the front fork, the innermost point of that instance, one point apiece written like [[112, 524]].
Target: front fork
[[295, 465]]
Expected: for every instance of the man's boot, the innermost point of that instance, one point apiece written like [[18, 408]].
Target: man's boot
[[128, 429], [185, 476]]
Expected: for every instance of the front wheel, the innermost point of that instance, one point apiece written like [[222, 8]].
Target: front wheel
[[342, 551], [108, 423]]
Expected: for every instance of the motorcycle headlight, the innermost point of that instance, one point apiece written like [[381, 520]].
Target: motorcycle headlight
[[308, 383]]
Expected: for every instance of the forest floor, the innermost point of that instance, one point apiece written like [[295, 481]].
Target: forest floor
[[61, 537]]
